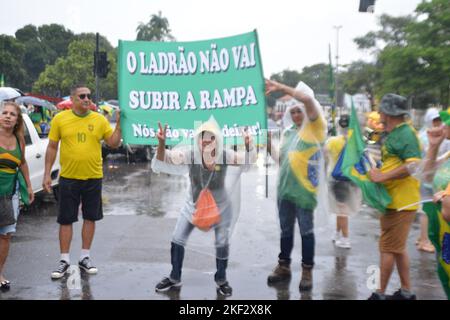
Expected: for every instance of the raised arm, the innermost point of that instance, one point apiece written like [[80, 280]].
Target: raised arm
[[161, 135], [114, 140], [244, 157], [308, 101]]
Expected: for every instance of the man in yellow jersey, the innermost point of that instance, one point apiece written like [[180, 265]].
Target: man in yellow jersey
[[80, 131], [400, 151]]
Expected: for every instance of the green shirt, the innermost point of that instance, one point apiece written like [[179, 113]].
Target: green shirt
[[9, 161], [401, 146]]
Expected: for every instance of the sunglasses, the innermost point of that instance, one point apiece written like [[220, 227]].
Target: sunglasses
[[84, 95]]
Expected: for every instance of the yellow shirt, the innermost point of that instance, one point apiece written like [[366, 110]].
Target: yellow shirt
[[334, 148], [81, 152], [314, 131]]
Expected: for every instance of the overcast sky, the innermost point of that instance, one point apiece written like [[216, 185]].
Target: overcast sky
[[292, 33]]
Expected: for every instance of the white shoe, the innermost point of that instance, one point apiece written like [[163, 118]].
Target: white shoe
[[336, 236], [343, 243]]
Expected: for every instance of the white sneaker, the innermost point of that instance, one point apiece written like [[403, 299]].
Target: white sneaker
[[343, 243], [336, 236]]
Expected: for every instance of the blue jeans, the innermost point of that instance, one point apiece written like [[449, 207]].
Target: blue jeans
[[179, 240], [287, 212]]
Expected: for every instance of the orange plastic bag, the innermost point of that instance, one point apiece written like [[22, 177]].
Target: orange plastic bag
[[206, 212]]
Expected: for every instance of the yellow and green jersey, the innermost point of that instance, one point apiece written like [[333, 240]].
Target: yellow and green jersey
[[400, 147], [10, 160], [299, 164], [80, 136]]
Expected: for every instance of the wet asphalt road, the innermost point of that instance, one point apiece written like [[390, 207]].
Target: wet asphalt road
[[132, 243]]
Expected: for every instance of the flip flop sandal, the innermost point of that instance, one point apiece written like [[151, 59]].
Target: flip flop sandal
[[427, 248], [5, 285]]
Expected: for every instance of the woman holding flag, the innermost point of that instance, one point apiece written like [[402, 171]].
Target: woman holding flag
[[345, 196]]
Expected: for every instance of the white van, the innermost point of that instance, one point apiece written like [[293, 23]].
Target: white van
[[35, 148]]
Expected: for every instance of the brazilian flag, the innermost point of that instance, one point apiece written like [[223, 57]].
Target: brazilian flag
[[356, 164], [439, 234]]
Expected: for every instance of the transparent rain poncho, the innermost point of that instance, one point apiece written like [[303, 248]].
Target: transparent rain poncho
[[345, 197], [224, 182], [430, 115], [300, 155]]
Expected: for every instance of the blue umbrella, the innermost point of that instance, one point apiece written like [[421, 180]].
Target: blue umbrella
[[36, 102]]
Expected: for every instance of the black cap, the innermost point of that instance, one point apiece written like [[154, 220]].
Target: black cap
[[344, 121]]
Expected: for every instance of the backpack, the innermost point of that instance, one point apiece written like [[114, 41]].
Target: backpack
[[206, 212]]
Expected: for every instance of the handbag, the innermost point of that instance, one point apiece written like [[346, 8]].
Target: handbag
[[206, 212], [7, 216]]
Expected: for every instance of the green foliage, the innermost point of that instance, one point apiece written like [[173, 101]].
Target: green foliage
[[43, 45], [91, 37], [412, 55], [157, 29], [77, 67], [316, 76], [11, 55], [392, 33], [360, 77]]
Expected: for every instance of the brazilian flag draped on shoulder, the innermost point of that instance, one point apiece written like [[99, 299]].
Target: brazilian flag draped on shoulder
[[439, 234], [356, 164]]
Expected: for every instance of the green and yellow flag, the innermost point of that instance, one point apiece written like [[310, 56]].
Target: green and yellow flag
[[439, 234], [356, 164], [331, 85], [2, 80]]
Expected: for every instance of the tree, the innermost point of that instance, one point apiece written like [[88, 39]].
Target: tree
[[76, 67], [432, 37], [11, 55], [288, 77], [360, 77], [393, 33], [55, 39], [317, 77], [413, 54], [157, 29], [43, 45], [104, 44]]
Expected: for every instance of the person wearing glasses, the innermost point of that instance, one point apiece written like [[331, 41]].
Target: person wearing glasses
[[80, 132]]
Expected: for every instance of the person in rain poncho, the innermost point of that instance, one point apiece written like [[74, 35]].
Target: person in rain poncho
[[400, 152], [431, 120], [437, 171], [206, 162], [345, 196], [301, 171]]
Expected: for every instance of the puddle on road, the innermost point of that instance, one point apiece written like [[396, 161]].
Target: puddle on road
[[133, 189]]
